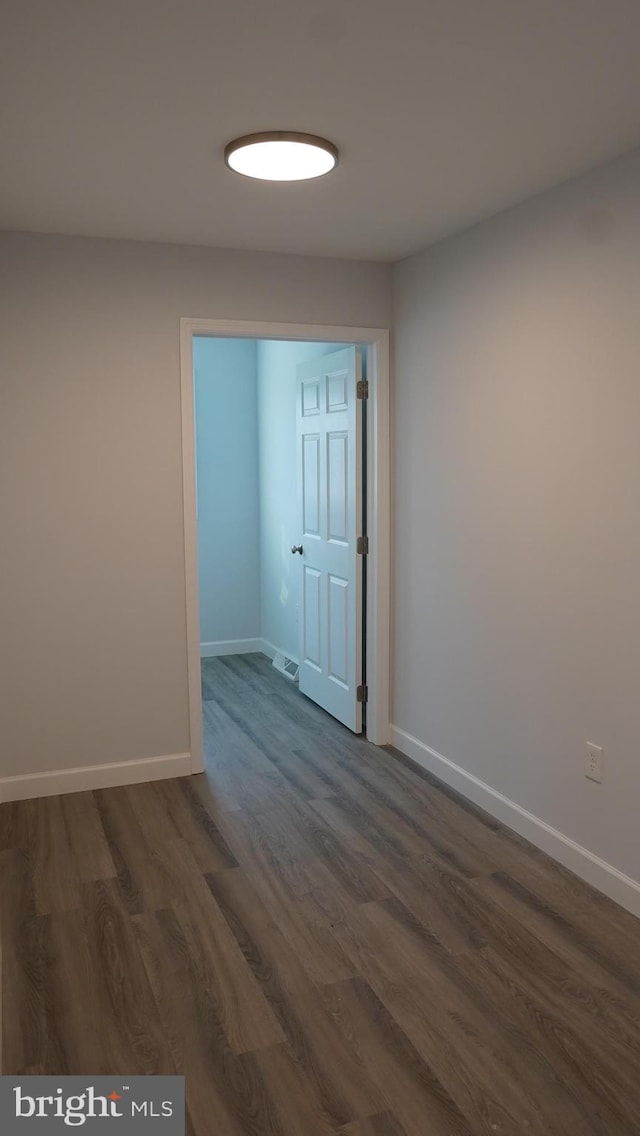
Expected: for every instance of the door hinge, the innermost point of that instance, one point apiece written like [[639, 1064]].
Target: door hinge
[[362, 694], [362, 546], [362, 388]]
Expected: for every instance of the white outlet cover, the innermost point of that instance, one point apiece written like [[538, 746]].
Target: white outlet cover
[[593, 762]]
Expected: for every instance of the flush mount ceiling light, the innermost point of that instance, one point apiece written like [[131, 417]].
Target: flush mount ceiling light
[[281, 155]]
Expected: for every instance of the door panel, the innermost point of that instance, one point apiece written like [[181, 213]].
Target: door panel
[[338, 630], [337, 391], [311, 608], [330, 514], [311, 485], [338, 485], [310, 397]]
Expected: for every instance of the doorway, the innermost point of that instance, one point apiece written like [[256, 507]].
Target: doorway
[[278, 342]]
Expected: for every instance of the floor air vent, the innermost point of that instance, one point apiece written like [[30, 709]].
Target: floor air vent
[[286, 666]]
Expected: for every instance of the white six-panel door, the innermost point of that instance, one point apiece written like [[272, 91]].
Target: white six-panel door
[[329, 441]]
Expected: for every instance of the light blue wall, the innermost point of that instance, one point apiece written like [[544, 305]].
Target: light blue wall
[[279, 524], [225, 379]]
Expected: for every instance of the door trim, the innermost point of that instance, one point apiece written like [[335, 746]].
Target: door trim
[[376, 340]]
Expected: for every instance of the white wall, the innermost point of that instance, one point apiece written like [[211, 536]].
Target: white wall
[[226, 413], [279, 522], [517, 516], [93, 626]]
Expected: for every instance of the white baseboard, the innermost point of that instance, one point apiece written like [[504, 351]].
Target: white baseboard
[[78, 780], [584, 863], [239, 647], [269, 649], [231, 647]]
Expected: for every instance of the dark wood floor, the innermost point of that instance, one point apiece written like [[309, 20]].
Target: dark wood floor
[[320, 937]]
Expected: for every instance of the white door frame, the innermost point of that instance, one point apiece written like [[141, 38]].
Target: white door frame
[[376, 340]]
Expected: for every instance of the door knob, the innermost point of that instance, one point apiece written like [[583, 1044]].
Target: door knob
[[297, 548]]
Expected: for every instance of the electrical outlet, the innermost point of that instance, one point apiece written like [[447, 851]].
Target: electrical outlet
[[593, 762]]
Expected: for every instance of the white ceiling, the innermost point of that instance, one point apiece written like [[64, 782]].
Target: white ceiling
[[114, 114]]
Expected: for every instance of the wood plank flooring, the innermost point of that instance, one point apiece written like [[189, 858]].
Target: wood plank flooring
[[322, 938]]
